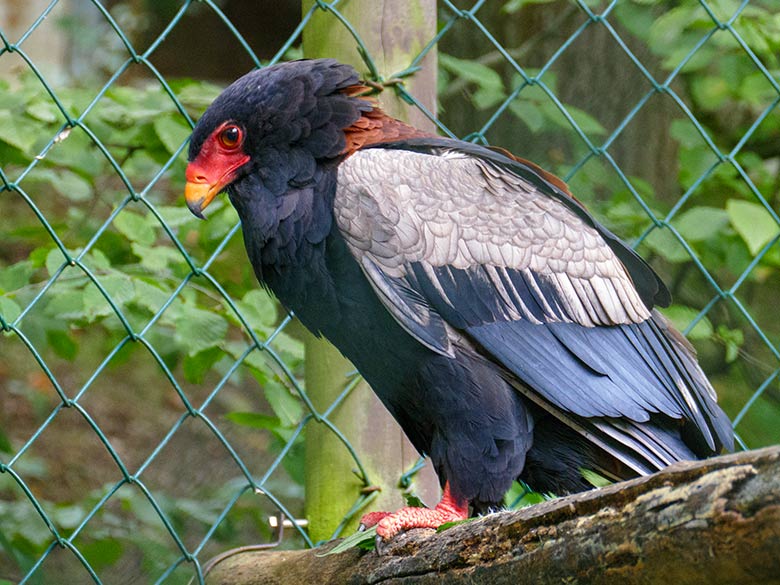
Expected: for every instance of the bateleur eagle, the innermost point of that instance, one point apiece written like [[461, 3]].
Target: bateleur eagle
[[509, 333]]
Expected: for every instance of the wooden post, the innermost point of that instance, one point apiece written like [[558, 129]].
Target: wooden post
[[393, 31]]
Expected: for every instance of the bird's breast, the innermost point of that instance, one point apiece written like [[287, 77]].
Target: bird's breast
[[327, 291]]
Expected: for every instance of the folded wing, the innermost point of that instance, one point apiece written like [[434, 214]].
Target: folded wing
[[461, 240]]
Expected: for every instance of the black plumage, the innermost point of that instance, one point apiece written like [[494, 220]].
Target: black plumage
[[508, 332]]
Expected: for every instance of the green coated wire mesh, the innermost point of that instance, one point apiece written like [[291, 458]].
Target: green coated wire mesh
[[152, 409]]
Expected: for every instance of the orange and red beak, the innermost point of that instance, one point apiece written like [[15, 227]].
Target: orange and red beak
[[198, 193], [208, 178]]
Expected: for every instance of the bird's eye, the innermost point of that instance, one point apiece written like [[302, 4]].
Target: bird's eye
[[230, 136]]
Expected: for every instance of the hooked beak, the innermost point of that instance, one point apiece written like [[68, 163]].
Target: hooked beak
[[207, 180], [198, 193]]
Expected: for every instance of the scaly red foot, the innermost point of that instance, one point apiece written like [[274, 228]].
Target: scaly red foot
[[389, 524]]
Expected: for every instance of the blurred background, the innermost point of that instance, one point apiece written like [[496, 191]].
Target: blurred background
[[152, 398]]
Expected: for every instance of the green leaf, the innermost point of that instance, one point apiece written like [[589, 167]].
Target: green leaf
[[753, 223], [413, 501], [259, 309], [295, 461], [684, 132], [78, 152], [594, 478], [667, 30], [148, 295], [197, 94], [65, 182], [196, 366], [16, 276], [197, 330], [254, 420], [5, 445], [289, 348], [176, 215], [529, 113], [710, 91], [257, 361], [54, 259], [102, 553], [587, 123], [119, 287], [487, 97], [45, 111], [265, 422], [694, 162], [701, 223], [16, 131], [62, 344], [364, 539], [172, 131], [682, 316], [734, 339], [521, 496], [68, 516], [38, 256], [663, 242], [72, 186], [137, 228], [97, 260], [285, 405], [156, 259], [473, 71], [9, 310], [448, 525], [66, 305]]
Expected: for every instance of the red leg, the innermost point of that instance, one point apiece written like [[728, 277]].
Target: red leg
[[390, 524]]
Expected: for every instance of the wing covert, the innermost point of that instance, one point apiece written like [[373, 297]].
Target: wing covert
[[447, 218]]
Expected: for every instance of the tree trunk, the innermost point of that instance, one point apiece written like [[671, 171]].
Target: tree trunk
[[714, 521]]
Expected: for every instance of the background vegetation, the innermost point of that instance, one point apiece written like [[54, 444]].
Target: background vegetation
[[126, 371]]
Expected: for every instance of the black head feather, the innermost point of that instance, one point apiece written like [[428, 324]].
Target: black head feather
[[293, 117], [295, 104]]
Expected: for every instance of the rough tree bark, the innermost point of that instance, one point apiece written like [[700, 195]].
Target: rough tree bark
[[714, 522]]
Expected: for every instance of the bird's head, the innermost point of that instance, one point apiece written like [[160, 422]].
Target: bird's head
[[275, 123]]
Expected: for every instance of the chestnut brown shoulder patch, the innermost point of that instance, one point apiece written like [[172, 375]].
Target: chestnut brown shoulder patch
[[374, 126]]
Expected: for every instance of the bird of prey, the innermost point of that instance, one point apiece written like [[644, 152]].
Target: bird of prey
[[508, 332]]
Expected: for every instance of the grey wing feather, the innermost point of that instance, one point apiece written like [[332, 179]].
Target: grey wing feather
[[402, 208]]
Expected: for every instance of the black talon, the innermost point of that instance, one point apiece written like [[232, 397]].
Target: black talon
[[380, 545]]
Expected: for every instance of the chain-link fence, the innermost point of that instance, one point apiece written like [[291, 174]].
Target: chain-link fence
[[152, 403]]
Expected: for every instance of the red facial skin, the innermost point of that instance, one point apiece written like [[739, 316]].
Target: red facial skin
[[215, 167]]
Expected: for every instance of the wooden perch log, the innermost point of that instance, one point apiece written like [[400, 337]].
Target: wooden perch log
[[713, 522]]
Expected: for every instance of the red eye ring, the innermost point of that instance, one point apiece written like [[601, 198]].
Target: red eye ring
[[231, 137]]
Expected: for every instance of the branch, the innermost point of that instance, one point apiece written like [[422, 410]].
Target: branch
[[715, 521]]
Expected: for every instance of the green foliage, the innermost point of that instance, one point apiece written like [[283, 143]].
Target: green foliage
[[534, 107], [114, 266], [132, 275]]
